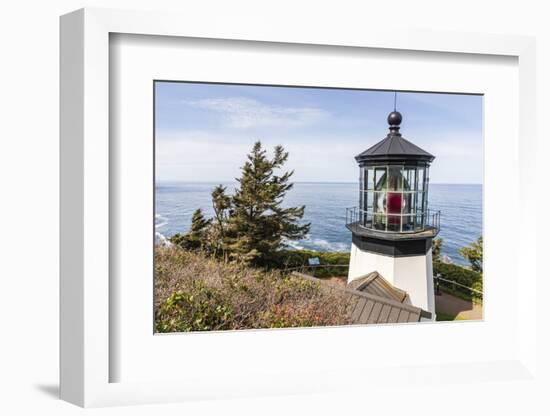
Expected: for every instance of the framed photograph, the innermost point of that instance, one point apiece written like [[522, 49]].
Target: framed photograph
[[273, 212], [243, 242]]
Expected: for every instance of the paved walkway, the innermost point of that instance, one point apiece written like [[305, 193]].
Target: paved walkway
[[459, 308]]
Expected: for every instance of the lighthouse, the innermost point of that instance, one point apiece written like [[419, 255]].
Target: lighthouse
[[392, 228]]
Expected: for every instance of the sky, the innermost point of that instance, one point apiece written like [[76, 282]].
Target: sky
[[204, 131]]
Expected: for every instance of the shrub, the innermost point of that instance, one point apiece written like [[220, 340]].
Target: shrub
[[474, 254], [294, 258], [462, 275], [289, 288], [458, 274], [194, 239], [194, 292], [437, 243], [299, 258], [201, 309]]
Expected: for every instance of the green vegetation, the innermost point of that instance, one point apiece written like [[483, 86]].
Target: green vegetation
[[460, 275], [196, 292], [474, 254], [292, 259], [195, 238], [437, 243], [444, 317], [440, 316], [472, 278], [199, 308], [461, 293], [250, 226]]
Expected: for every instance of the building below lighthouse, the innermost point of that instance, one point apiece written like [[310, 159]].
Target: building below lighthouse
[[392, 228]]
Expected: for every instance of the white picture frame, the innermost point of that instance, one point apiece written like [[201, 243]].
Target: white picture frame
[[87, 356]]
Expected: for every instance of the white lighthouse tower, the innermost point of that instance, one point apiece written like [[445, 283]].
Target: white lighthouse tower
[[392, 229]]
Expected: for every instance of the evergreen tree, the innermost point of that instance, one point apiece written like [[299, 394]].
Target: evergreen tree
[[474, 254], [436, 249], [257, 223], [198, 225], [221, 203], [195, 238]]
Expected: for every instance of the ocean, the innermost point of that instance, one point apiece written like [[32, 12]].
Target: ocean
[[326, 203]]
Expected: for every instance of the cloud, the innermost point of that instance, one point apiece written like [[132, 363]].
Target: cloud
[[211, 156], [201, 155], [246, 113]]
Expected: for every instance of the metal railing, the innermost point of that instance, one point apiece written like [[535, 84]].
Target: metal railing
[[401, 223], [455, 286], [312, 268]]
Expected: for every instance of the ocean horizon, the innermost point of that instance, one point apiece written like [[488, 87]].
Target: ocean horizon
[[326, 203]]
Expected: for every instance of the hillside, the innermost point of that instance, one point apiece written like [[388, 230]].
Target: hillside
[[196, 293]]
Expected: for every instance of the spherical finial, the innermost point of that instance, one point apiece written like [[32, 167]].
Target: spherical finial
[[395, 118]]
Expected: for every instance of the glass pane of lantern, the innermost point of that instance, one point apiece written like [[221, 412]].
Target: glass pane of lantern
[[408, 222], [409, 177], [380, 179], [379, 222], [394, 222], [370, 178], [420, 202], [379, 204], [369, 195], [361, 200], [395, 182], [408, 203], [420, 179], [361, 178]]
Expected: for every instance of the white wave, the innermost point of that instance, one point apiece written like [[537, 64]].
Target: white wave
[[328, 246], [318, 244], [162, 240], [294, 244], [446, 259], [163, 220]]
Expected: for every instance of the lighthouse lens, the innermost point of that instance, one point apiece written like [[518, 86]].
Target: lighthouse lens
[[395, 182], [379, 202]]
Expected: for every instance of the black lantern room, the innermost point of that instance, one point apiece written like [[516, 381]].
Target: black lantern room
[[393, 194]]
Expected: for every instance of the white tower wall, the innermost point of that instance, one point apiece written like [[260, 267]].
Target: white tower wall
[[413, 274]]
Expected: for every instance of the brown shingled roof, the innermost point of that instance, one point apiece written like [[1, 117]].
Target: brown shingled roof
[[375, 284]]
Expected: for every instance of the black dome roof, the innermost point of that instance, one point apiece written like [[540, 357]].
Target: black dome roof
[[394, 148]]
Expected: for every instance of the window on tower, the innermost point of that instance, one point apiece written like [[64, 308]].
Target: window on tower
[[393, 198]]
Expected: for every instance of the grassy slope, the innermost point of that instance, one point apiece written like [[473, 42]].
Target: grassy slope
[[299, 258], [196, 293], [193, 292]]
